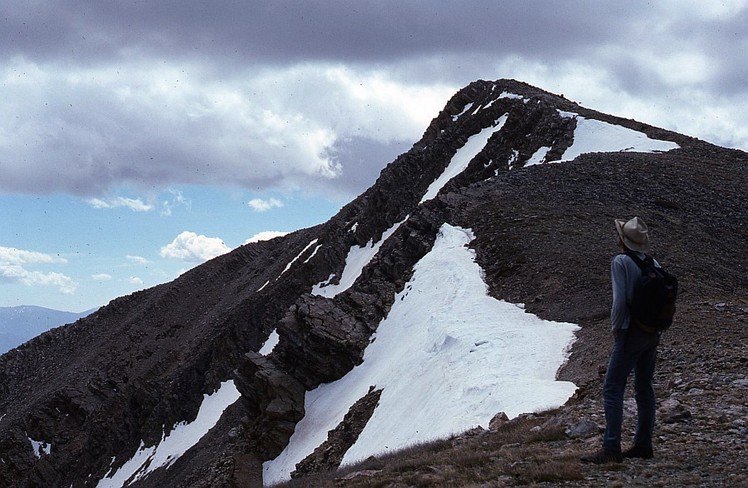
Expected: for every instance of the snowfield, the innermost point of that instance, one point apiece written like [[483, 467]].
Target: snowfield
[[596, 136], [447, 358]]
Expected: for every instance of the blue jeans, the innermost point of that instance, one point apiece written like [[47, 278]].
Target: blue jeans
[[634, 350]]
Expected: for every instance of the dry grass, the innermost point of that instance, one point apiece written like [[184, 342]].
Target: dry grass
[[520, 452]]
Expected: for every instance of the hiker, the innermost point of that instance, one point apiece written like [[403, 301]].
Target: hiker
[[633, 350]]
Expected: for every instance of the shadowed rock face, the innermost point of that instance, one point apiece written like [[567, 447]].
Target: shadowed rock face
[[95, 390]]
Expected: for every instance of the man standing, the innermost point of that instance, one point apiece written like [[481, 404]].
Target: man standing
[[633, 350]]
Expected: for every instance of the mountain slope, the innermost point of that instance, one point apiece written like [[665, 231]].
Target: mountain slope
[[545, 236], [97, 394]]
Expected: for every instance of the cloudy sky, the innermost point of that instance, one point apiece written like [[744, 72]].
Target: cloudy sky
[[138, 139]]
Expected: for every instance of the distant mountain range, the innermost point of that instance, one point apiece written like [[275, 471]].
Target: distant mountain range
[[19, 324]]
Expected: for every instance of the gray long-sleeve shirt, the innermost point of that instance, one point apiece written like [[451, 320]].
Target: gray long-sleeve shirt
[[624, 273]]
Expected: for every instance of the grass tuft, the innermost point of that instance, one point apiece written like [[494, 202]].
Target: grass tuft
[[523, 451]]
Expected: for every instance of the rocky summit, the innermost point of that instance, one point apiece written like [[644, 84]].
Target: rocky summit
[[212, 379]]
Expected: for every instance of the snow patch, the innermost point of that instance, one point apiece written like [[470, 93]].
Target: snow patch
[[467, 107], [314, 253], [462, 157], [288, 266], [448, 357], [180, 439], [358, 257], [514, 96], [538, 157], [513, 158], [39, 447], [270, 343], [596, 136]]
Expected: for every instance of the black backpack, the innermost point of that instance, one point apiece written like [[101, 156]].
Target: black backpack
[[653, 304]]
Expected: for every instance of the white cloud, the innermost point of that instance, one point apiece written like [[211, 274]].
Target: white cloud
[[101, 277], [188, 246], [260, 205], [265, 236], [64, 283], [177, 200], [134, 204], [378, 104], [256, 128], [12, 269], [137, 259], [11, 255], [134, 280]]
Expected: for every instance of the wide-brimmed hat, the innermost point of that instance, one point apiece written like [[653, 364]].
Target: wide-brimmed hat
[[634, 234]]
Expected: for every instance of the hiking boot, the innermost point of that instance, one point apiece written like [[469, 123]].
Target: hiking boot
[[641, 452], [603, 456]]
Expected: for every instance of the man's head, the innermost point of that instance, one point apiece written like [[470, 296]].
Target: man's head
[[634, 234]]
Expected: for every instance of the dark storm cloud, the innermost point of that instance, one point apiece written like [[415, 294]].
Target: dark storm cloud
[[725, 42], [319, 94], [361, 160], [283, 31]]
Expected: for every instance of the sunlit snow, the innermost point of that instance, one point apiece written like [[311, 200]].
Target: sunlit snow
[[596, 136], [39, 447], [448, 357], [314, 253], [270, 343], [358, 257], [288, 266], [467, 107], [538, 157], [514, 96], [179, 440], [462, 158]]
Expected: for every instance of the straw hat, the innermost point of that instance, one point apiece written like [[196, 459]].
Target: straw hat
[[634, 234]]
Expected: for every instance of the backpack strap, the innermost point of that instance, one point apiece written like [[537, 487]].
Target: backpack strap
[[642, 263]]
